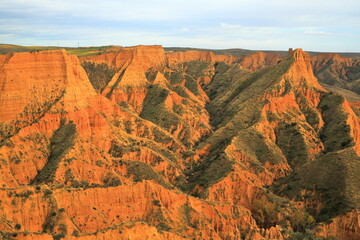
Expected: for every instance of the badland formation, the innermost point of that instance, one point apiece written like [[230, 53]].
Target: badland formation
[[151, 143]]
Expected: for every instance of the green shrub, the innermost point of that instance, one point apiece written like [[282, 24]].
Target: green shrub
[[156, 203], [300, 221], [47, 193], [111, 180], [163, 227], [59, 236], [25, 194], [17, 226], [75, 233], [307, 235], [265, 212]]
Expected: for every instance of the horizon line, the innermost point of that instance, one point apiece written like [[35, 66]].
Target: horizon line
[[180, 47]]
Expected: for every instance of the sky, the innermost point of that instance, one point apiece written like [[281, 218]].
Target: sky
[[314, 25]]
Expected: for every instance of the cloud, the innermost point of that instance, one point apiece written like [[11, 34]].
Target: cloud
[[257, 24], [321, 33], [185, 29], [248, 29]]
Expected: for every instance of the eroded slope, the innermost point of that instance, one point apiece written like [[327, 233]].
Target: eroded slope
[[140, 143]]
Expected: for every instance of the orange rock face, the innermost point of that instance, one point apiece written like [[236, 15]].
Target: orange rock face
[[301, 73], [147, 56], [259, 60], [335, 70], [180, 57], [320, 60], [179, 145], [344, 226]]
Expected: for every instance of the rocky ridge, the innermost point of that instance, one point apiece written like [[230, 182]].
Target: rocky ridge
[[185, 145]]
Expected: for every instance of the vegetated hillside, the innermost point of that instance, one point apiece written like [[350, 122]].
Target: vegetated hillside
[[136, 143], [79, 51]]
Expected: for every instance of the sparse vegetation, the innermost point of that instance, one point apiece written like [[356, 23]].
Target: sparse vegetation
[[61, 142], [17, 226], [155, 110], [81, 51], [163, 227], [111, 180], [196, 69], [59, 236], [307, 235], [293, 144], [265, 212], [141, 171], [31, 114], [336, 133], [47, 193], [25, 194], [301, 221], [99, 74], [336, 199], [156, 203], [192, 85], [207, 173], [175, 77]]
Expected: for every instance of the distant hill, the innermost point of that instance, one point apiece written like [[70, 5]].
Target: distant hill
[[243, 52]]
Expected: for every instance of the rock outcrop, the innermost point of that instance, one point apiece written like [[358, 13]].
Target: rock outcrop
[[258, 60], [173, 58]]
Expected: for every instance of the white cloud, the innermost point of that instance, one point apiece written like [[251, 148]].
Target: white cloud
[[321, 33], [257, 24], [248, 29], [185, 29]]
